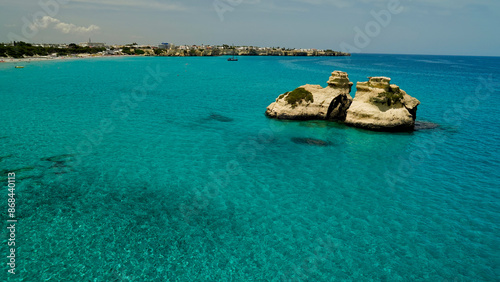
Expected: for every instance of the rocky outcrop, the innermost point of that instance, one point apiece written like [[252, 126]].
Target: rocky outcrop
[[378, 105], [381, 106], [311, 102]]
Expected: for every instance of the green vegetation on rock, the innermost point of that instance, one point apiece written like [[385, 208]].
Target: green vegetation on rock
[[282, 96], [389, 97], [298, 95]]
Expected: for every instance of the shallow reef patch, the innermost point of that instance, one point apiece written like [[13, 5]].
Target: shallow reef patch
[[220, 118], [59, 158], [5, 157]]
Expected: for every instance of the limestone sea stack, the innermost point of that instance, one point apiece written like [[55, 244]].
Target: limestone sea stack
[[381, 106], [313, 102]]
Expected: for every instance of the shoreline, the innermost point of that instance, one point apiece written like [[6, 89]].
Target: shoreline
[[44, 59]]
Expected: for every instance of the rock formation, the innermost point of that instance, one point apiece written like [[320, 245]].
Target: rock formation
[[310, 102], [378, 105], [382, 106]]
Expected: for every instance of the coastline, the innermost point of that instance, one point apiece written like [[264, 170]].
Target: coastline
[[43, 59]]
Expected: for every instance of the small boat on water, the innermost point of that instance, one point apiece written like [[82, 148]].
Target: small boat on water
[[233, 59], [19, 67]]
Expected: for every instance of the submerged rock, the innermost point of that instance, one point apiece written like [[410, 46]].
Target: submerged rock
[[5, 157], [220, 118], [311, 141], [381, 106], [313, 102], [17, 170], [59, 158]]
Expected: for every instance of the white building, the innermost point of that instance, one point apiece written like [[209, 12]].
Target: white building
[[92, 44], [165, 46]]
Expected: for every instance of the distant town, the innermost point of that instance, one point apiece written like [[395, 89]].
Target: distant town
[[27, 50]]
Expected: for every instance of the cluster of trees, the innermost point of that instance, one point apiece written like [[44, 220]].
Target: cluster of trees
[[21, 49], [126, 50]]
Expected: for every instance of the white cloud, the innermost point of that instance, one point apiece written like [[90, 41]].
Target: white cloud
[[47, 21]]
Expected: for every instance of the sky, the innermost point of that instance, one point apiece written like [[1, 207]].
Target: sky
[[438, 27]]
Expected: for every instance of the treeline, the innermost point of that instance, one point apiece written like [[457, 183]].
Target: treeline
[[22, 49], [126, 50]]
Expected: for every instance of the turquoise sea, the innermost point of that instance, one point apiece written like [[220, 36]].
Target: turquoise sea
[[166, 169]]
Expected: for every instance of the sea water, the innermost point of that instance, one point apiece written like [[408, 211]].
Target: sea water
[[166, 169]]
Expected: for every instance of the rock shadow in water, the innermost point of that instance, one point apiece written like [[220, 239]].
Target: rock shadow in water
[[311, 141], [425, 125]]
